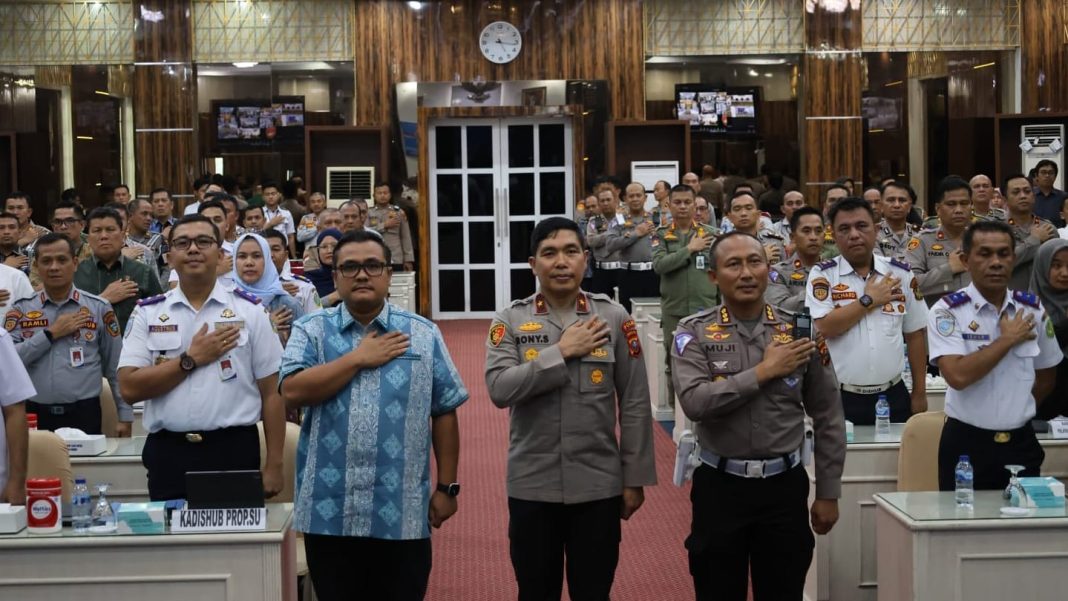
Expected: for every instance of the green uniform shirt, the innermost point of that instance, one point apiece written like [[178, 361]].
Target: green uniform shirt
[[93, 277], [684, 285]]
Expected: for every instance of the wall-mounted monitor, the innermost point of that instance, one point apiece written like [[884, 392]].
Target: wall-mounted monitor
[[718, 110], [258, 123]]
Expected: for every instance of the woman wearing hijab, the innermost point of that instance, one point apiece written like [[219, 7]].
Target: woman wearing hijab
[[1049, 281], [256, 274], [323, 277]]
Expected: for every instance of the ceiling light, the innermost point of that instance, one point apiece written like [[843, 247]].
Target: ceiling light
[[245, 65], [415, 5]]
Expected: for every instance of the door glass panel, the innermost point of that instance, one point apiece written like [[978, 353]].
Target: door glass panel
[[480, 147], [451, 293], [522, 283], [483, 290], [553, 195], [450, 243], [448, 147], [521, 146], [550, 145], [519, 243], [480, 195], [482, 243], [450, 196], [520, 194]]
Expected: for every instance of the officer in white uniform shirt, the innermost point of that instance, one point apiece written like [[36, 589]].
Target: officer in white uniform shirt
[[998, 352], [14, 285], [862, 304], [15, 388], [205, 359]]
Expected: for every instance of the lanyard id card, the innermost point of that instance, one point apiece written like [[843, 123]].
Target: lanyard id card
[[77, 356], [226, 369], [699, 262]]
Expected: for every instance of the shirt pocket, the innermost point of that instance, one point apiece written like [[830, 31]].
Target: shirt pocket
[[597, 370], [163, 344], [723, 364]]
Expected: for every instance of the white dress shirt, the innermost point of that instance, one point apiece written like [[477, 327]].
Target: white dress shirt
[[963, 322], [872, 352], [162, 328], [15, 282], [15, 387], [287, 226]]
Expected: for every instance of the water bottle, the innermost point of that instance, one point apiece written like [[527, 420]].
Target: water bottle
[[965, 490], [882, 417], [80, 506]]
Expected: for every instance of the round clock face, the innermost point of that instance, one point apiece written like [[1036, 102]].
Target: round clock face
[[500, 42]]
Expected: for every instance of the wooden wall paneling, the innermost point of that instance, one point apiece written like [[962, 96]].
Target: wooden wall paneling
[[570, 39], [833, 144], [1044, 64], [778, 129], [330, 146], [164, 95], [629, 141]]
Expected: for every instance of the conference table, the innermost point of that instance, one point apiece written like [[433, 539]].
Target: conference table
[[930, 549], [120, 466], [223, 566], [844, 564]]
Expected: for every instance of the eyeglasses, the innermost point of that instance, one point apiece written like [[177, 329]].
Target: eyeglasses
[[68, 222], [351, 270], [1046, 172], [202, 242]]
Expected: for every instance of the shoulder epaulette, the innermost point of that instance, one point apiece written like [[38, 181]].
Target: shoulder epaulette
[[252, 298], [1026, 298], [95, 297], [698, 315], [956, 299], [522, 301], [900, 264], [771, 234], [301, 278], [827, 264], [151, 300], [599, 296]]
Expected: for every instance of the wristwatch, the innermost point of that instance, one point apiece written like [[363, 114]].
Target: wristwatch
[[865, 301], [186, 362], [452, 490]]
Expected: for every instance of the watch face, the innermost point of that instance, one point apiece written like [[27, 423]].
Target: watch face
[[500, 42], [187, 363]]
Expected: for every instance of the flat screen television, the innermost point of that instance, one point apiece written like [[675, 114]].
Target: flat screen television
[[258, 123], [718, 110]]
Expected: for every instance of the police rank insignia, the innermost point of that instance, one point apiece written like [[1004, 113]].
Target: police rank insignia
[[531, 354], [530, 326], [496, 334], [596, 376], [821, 289]]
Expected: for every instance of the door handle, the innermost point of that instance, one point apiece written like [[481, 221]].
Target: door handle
[[507, 208], [496, 215]]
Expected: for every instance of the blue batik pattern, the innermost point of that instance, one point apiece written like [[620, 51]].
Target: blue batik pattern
[[363, 460]]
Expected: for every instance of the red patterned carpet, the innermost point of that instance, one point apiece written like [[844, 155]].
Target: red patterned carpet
[[471, 560]]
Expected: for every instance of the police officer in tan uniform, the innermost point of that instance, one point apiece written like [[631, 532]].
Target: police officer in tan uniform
[[564, 362], [894, 232], [747, 381], [786, 280], [637, 278], [392, 222], [934, 254]]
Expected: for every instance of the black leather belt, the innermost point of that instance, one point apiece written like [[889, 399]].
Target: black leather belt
[[58, 408], [203, 435]]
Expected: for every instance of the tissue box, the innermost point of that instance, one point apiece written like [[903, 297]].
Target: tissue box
[[12, 518], [849, 431], [141, 518], [92, 444], [1043, 492]]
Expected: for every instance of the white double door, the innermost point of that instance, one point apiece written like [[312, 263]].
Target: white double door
[[491, 182]]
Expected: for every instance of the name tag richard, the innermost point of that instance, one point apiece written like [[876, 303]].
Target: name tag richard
[[219, 520]]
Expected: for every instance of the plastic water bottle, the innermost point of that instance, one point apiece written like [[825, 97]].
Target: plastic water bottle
[[80, 502], [965, 489], [882, 417]]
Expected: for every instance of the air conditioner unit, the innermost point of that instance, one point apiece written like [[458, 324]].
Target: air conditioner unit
[[647, 173], [1043, 142], [346, 183]]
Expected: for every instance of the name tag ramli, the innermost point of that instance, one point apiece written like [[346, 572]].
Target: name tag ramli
[[219, 520]]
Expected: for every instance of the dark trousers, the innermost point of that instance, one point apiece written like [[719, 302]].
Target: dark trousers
[[743, 525], [605, 281], [542, 534], [169, 455], [83, 415], [987, 456], [636, 284], [860, 408], [349, 567]]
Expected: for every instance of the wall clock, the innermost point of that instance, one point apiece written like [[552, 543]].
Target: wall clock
[[500, 42]]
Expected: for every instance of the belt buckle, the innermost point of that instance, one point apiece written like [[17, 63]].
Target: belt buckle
[[57, 410], [755, 469], [1002, 437], [194, 437]]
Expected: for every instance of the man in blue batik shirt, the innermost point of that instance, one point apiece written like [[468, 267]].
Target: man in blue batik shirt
[[377, 385]]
